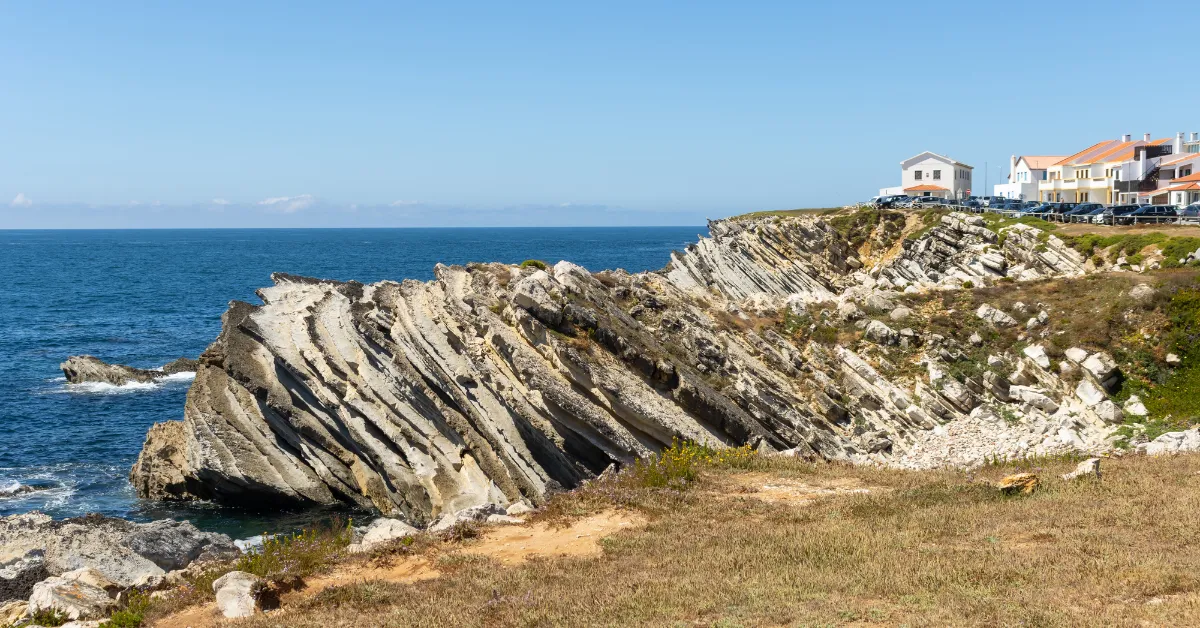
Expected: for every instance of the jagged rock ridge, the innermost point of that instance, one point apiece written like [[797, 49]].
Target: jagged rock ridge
[[495, 383]]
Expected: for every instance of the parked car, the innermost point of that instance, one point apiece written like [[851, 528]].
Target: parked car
[[1077, 214], [1191, 212], [1149, 213], [927, 201], [889, 202], [1116, 211]]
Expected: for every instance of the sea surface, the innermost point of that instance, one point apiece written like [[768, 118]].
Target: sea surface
[[145, 297]]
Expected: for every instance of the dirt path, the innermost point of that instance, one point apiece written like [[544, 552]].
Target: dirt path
[[509, 545]]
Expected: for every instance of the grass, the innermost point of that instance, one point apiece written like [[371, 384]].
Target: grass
[[534, 263], [921, 548], [812, 211]]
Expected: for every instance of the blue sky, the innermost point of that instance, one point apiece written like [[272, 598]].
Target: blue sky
[[390, 114]]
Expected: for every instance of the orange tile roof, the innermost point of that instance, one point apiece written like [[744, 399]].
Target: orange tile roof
[[1041, 162], [1177, 188], [1193, 178], [1124, 152], [926, 188], [1089, 150]]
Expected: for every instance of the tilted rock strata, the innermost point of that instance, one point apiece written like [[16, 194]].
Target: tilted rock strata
[[493, 384], [79, 369]]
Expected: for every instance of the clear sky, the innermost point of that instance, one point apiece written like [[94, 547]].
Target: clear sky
[[439, 113]]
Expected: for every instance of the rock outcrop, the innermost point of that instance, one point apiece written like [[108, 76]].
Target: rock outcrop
[[496, 384], [33, 547], [80, 369]]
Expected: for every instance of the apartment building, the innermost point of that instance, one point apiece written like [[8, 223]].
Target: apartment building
[[1091, 175]]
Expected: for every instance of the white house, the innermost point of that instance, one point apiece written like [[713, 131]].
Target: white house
[[1024, 174], [931, 174]]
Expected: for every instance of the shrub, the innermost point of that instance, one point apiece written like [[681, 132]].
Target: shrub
[[132, 615], [680, 464], [534, 263], [49, 617], [968, 284], [296, 555]]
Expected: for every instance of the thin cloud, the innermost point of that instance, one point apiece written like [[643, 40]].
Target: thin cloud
[[20, 200], [403, 203], [288, 204], [219, 201]]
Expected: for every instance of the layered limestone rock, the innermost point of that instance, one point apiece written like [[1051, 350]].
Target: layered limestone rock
[[34, 547], [80, 369], [494, 384]]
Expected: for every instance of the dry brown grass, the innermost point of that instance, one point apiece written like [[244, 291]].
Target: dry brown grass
[[933, 548]]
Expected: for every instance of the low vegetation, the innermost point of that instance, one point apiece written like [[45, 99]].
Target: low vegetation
[[817, 211], [883, 547], [534, 263]]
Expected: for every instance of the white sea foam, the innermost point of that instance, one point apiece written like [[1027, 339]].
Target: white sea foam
[[103, 388], [181, 376], [9, 487]]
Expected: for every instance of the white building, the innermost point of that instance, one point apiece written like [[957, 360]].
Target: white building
[[1024, 173], [931, 174]]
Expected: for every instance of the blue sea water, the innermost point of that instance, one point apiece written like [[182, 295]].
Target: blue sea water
[[145, 297]]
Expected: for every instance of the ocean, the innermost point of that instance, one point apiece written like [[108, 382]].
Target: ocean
[[145, 297]]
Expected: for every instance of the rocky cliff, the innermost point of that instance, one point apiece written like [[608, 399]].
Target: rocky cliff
[[496, 383]]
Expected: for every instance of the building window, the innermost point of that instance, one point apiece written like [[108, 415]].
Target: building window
[[917, 175], [1186, 171], [937, 174], [1043, 175]]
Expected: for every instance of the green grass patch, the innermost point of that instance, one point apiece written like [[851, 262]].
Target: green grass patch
[[534, 263], [812, 211]]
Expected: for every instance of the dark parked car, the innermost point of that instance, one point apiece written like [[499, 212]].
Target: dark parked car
[[1080, 210], [1116, 211], [890, 202], [1191, 212], [1150, 213]]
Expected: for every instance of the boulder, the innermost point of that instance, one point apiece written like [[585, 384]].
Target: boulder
[[1021, 483], [476, 514], [533, 294], [128, 554], [237, 594], [1103, 370], [1088, 393], [79, 369], [880, 333], [1141, 292], [1037, 353], [1087, 468], [385, 530], [78, 594], [1174, 442], [1135, 407], [1109, 412], [1076, 355], [995, 316], [180, 365], [900, 313], [1034, 397], [504, 520], [175, 544], [518, 508], [957, 395]]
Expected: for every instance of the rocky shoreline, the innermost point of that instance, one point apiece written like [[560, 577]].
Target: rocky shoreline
[[80, 369], [494, 384]]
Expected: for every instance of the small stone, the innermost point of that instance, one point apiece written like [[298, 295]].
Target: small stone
[[1038, 354], [385, 530], [1135, 407], [504, 520], [1109, 412], [1088, 393], [900, 313], [976, 339], [881, 333], [1141, 292], [1173, 359], [237, 593], [995, 316], [518, 508], [995, 361], [1089, 467], [1076, 355], [1022, 483]]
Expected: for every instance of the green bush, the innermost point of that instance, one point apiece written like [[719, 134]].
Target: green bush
[[132, 615], [296, 555], [534, 263]]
